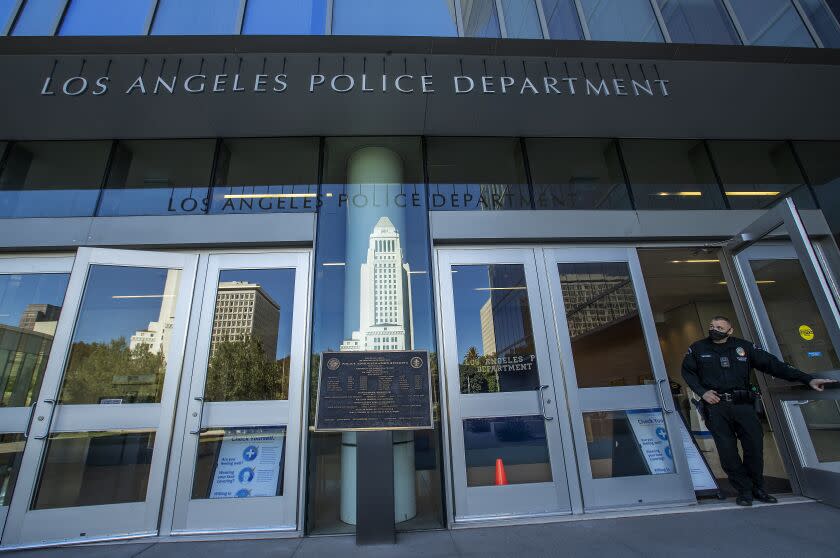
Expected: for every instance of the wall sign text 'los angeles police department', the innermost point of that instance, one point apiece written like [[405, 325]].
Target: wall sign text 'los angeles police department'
[[405, 84]]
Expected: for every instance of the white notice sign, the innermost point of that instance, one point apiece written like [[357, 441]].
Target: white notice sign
[[249, 464], [701, 477], [652, 436]]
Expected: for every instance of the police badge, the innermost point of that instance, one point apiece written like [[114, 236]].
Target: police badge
[[740, 351]]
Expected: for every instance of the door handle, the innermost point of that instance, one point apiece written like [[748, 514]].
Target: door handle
[[29, 420], [540, 391], [200, 415], [51, 403], [662, 396]]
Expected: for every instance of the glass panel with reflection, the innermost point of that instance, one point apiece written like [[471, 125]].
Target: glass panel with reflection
[[698, 21], [602, 314], [797, 323], [251, 338], [521, 19], [771, 23], [621, 20], [239, 463], [673, 174], [30, 305], [561, 17], [477, 174], [385, 17], [577, 174], [94, 469], [11, 454], [52, 178], [106, 17], [158, 177], [628, 443], [493, 328], [38, 18], [824, 22], [287, 17], [757, 174], [196, 17], [122, 337], [480, 18], [822, 421], [266, 176], [516, 444]]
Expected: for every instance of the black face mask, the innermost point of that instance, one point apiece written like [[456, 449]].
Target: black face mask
[[716, 335]]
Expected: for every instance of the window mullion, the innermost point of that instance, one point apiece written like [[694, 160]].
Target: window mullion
[[543, 21], [813, 32], [500, 14], [658, 14], [583, 24], [740, 30]]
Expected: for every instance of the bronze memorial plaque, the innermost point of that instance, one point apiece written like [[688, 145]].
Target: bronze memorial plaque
[[374, 390]]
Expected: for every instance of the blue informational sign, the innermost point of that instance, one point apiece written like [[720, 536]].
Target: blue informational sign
[[648, 427], [249, 464]]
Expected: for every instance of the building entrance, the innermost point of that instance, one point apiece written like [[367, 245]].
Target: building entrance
[[150, 393], [557, 387]]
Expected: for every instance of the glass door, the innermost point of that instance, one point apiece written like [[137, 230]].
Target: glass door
[[506, 412], [94, 461], [623, 416], [240, 454], [791, 303], [31, 298]]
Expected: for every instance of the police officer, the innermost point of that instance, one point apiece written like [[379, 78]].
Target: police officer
[[717, 369]]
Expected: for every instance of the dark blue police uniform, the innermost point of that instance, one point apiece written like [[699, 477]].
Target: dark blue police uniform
[[725, 368]]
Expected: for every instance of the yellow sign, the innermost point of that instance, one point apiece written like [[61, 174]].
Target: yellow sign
[[806, 333]]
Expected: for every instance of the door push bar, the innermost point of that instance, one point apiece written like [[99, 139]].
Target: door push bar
[[541, 391], [662, 396]]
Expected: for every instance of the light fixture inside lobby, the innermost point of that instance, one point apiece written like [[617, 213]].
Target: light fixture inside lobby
[[695, 261], [681, 194], [749, 193]]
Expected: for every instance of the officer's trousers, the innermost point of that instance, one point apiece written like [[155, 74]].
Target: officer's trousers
[[728, 422]]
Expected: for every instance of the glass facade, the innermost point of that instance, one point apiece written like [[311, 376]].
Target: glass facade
[[807, 23], [281, 175]]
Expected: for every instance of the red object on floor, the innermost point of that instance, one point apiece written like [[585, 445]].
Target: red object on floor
[[501, 477]]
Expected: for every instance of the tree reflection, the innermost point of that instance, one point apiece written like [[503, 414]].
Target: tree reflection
[[240, 370], [98, 372]]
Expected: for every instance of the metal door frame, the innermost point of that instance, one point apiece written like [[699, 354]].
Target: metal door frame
[[179, 501], [16, 420], [750, 309], [25, 527], [563, 486], [618, 492]]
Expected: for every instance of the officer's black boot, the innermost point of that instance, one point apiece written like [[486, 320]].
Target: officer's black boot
[[762, 496], [744, 500]]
